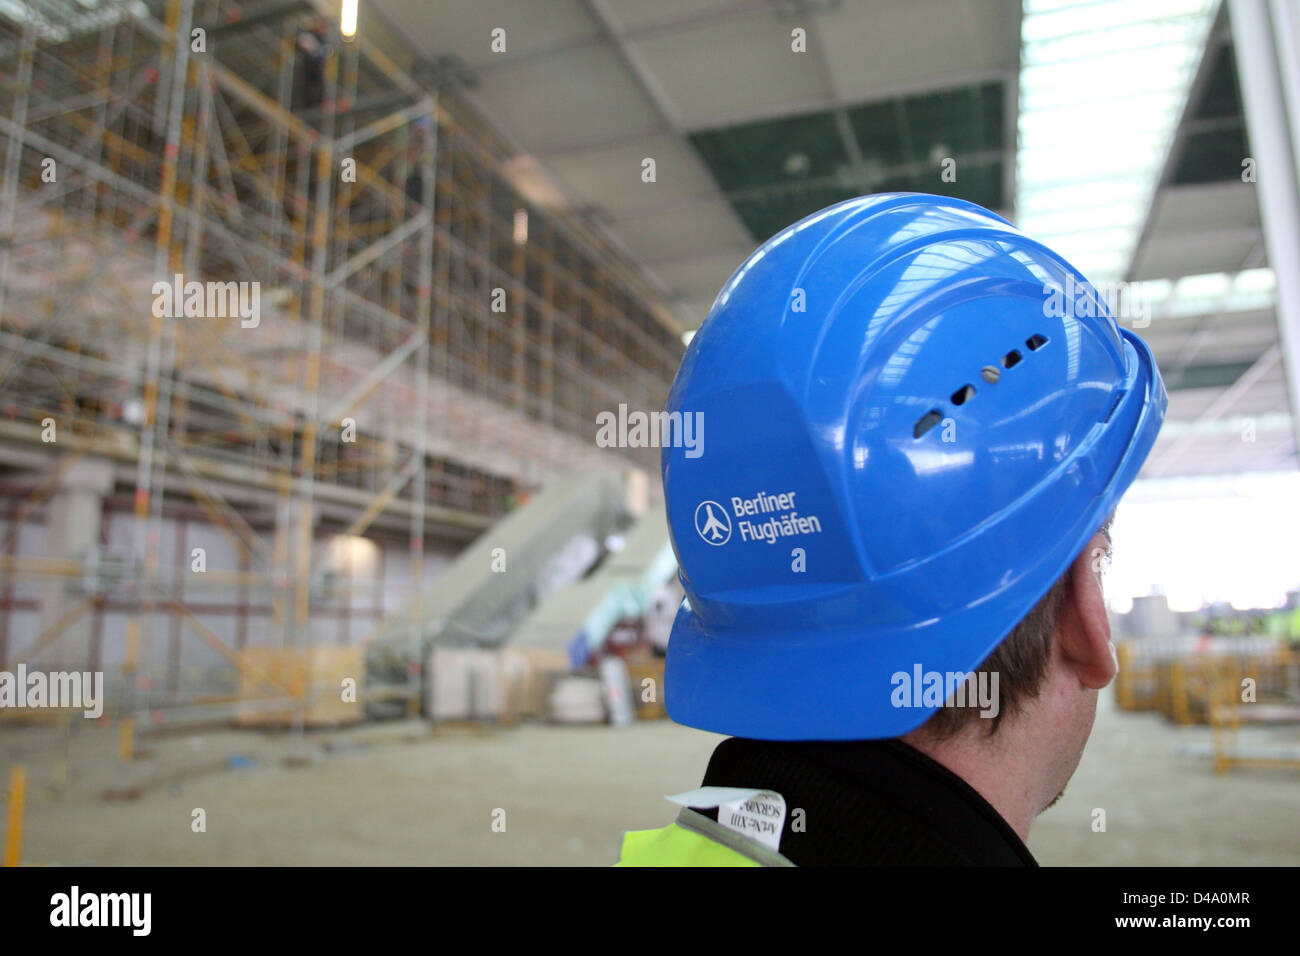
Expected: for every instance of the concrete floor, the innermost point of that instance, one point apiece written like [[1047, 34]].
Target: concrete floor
[[394, 794]]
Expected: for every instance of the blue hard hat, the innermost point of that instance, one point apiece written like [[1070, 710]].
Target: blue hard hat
[[916, 417]]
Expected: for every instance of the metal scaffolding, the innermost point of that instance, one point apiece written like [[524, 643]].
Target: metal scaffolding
[[425, 344]]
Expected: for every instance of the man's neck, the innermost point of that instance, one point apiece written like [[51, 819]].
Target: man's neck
[[999, 768]]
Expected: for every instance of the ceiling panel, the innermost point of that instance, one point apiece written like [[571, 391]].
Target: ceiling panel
[[684, 231], [611, 178], [777, 171], [465, 29], [551, 105], [732, 68], [1235, 337], [882, 47], [1229, 205], [703, 276], [1193, 253], [634, 15]]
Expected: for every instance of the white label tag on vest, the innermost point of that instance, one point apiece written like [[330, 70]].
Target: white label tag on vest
[[757, 814]]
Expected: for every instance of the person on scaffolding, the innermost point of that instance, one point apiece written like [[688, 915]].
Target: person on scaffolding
[[313, 49]]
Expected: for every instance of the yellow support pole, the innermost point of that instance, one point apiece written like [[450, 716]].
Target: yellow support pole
[[126, 740], [1178, 685], [1124, 680], [14, 829]]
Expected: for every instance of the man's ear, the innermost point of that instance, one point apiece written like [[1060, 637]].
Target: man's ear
[[1084, 626]]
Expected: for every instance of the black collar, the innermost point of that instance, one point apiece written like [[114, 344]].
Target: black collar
[[869, 803]]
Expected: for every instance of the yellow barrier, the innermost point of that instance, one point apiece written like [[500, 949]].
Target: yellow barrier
[[14, 829], [1272, 676]]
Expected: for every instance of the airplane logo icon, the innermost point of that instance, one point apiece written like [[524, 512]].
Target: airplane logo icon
[[712, 523]]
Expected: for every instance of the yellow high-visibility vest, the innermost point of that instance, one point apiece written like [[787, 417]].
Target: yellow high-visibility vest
[[695, 840]]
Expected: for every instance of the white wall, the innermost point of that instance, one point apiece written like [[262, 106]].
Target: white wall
[[378, 575]]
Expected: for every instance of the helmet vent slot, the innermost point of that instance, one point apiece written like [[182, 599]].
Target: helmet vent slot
[[926, 422], [967, 391]]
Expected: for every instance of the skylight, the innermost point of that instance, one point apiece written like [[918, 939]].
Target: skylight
[[1102, 86]]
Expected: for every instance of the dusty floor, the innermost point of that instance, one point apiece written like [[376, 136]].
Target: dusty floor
[[394, 794]]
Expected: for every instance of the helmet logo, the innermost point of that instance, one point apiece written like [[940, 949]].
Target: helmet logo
[[712, 523]]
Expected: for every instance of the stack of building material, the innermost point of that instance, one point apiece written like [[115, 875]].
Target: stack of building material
[[464, 683], [577, 700], [319, 685], [487, 684], [529, 674], [647, 677]]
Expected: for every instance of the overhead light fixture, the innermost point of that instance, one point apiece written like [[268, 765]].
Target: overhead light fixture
[[1220, 292], [348, 19], [527, 177]]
